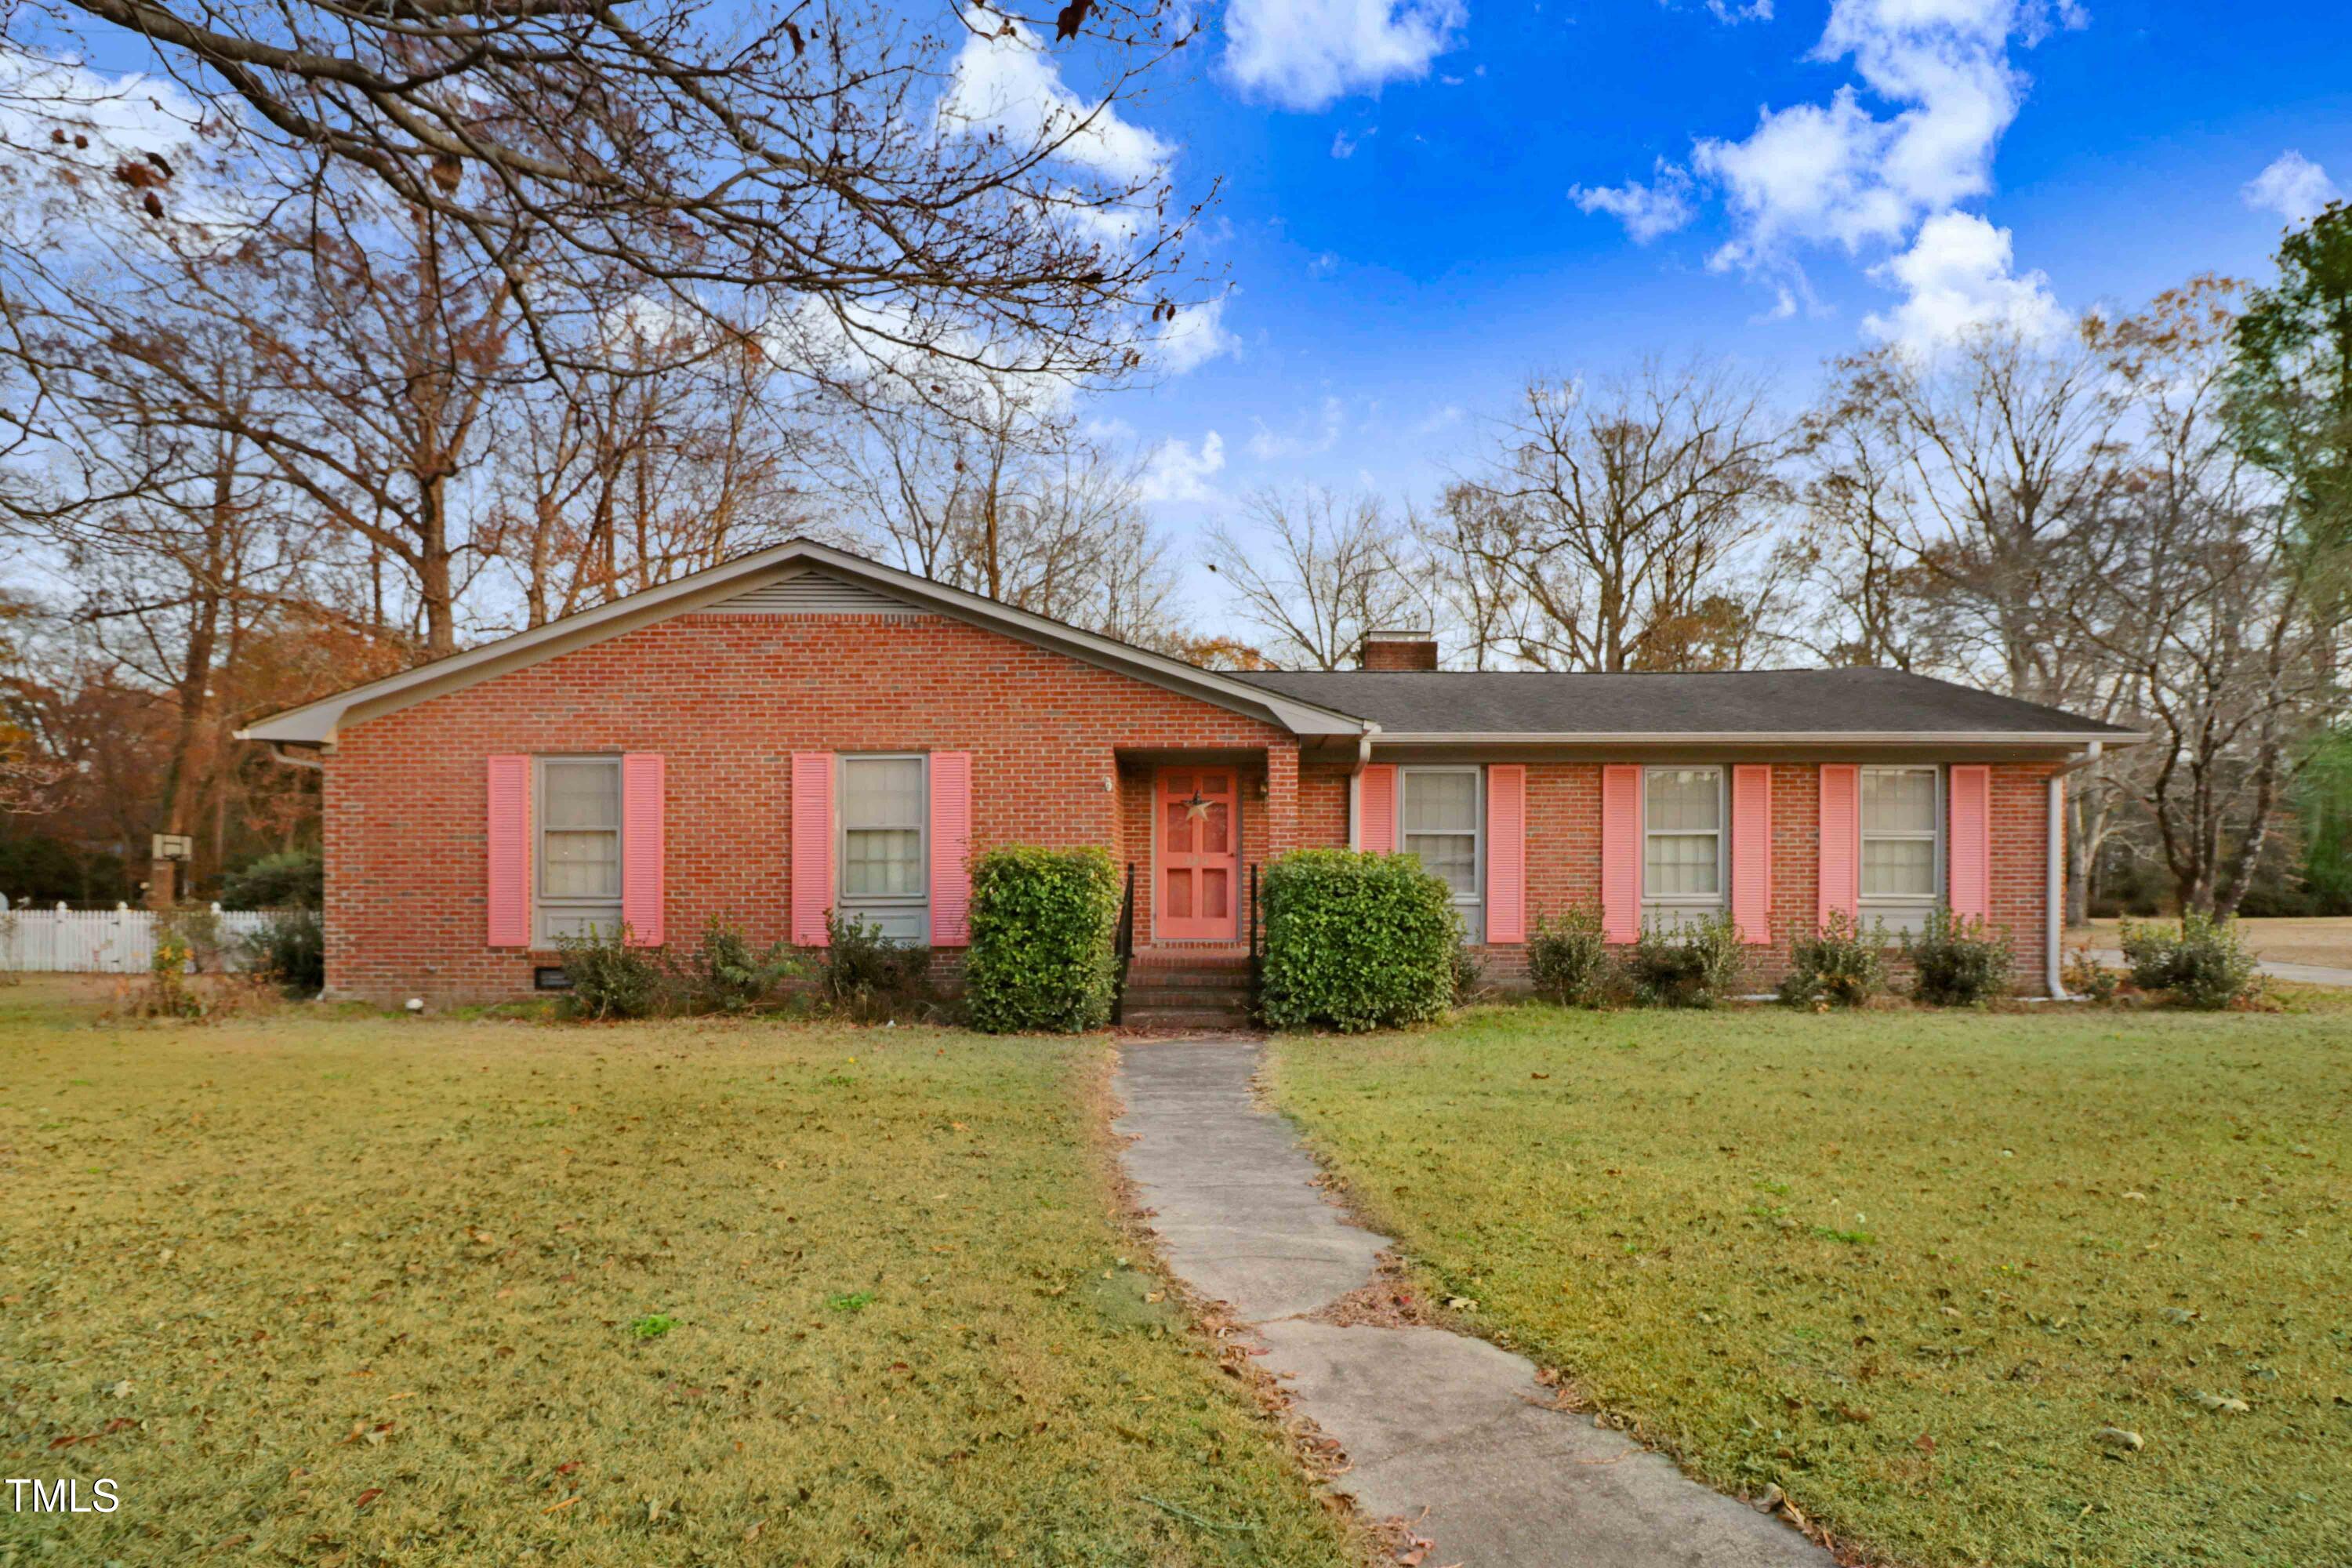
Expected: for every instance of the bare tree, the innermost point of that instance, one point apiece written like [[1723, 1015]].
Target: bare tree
[[1624, 516], [2207, 605], [864, 187], [1315, 571]]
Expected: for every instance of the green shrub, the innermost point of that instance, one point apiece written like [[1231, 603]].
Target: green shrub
[[290, 879], [1958, 962], [610, 979], [1701, 966], [2086, 977], [196, 929], [290, 951], [1844, 964], [2200, 962], [1042, 925], [728, 975], [1469, 973], [1356, 941], [1568, 960], [869, 976]]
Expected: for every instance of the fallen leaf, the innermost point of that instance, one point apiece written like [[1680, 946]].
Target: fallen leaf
[[368, 1496]]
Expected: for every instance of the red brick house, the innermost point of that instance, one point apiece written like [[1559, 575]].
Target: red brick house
[[803, 729]]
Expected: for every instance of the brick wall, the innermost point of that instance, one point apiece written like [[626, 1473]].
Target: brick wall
[[727, 699], [1564, 861]]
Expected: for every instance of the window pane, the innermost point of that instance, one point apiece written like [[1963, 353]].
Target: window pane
[[1681, 865], [583, 794], [1453, 856], [1685, 798], [582, 864], [882, 862], [882, 792], [1441, 803], [1894, 867], [1899, 800]]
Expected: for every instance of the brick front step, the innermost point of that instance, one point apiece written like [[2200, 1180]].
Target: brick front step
[[1134, 1018]]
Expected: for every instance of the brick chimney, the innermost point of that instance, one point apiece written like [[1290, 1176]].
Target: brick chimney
[[1399, 650]]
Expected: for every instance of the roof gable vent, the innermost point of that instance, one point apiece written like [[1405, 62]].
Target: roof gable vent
[[812, 593]]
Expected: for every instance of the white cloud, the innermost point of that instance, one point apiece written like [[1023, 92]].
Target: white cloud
[[1194, 336], [1344, 145], [1957, 277], [1440, 418], [1303, 54], [1647, 211], [1005, 80], [1322, 264], [2293, 187], [1180, 471], [1319, 435], [1731, 11], [1838, 173]]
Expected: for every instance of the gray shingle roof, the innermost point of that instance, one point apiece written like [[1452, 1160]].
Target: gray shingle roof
[[1760, 702]]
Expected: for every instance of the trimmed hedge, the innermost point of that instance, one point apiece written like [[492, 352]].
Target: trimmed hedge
[[1043, 926], [1356, 941]]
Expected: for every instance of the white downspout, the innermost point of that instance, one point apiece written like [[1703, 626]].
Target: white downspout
[[2053, 913]]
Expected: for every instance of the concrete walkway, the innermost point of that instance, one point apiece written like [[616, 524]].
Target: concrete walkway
[[2277, 969], [1430, 1420]]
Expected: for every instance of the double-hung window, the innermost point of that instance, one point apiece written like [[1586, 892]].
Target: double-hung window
[[1682, 844], [1902, 845], [1440, 810], [884, 864], [579, 857]]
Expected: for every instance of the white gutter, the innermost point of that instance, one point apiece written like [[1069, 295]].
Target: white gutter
[[1753, 737]]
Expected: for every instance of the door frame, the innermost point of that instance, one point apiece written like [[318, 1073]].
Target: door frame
[[1241, 844]]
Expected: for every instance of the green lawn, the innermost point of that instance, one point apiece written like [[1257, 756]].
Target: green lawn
[[367, 1291], [1904, 1264]]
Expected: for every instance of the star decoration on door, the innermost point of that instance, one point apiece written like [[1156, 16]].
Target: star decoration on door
[[1197, 808]]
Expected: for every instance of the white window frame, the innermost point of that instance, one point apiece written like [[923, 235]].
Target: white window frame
[[604, 914], [1901, 912], [1471, 905], [889, 910], [1676, 908]]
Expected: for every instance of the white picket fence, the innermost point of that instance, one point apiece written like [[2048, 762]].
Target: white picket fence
[[119, 941]]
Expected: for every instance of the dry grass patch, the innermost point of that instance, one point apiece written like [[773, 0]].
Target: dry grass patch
[[1906, 1265], [360, 1290]]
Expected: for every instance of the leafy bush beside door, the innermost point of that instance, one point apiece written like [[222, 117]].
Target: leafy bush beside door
[[1042, 927], [1356, 941]]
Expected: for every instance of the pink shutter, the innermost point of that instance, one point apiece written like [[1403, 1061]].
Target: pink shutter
[[1620, 852], [811, 847], [1841, 846], [643, 787], [951, 848], [1971, 852], [1506, 853], [509, 851], [1751, 852], [1376, 810]]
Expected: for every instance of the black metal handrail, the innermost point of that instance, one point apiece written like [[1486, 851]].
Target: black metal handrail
[[1123, 947], [1257, 945]]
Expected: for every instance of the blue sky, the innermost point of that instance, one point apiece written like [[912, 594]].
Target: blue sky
[[1404, 240]]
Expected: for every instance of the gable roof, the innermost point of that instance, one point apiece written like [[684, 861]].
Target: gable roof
[[318, 722], [1824, 705]]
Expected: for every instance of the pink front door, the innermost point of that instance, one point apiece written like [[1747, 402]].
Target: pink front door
[[1200, 855]]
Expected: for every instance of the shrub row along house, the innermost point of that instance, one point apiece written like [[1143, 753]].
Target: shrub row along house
[[802, 731]]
